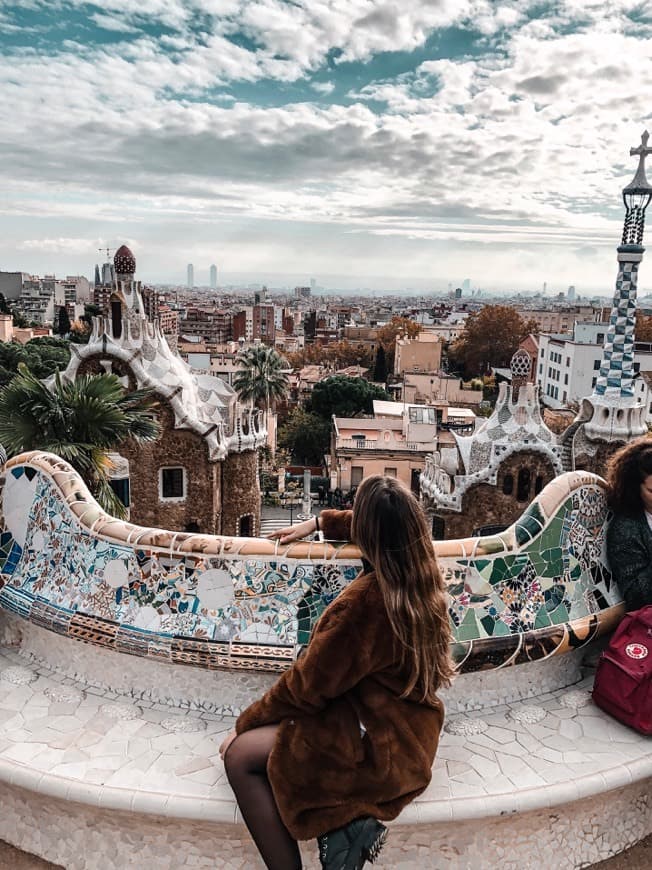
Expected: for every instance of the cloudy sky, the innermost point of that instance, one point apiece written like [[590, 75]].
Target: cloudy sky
[[347, 140]]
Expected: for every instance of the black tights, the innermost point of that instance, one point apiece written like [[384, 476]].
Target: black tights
[[246, 767]]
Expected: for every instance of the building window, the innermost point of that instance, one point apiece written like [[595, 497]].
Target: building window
[[540, 368], [566, 380], [523, 489], [246, 526], [116, 317], [438, 528], [356, 475], [637, 367], [568, 361], [172, 484], [120, 486], [600, 338], [422, 415], [565, 396], [390, 472], [594, 382], [508, 484], [596, 365], [538, 484]]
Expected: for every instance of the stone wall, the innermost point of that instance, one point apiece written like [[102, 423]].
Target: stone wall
[[240, 493], [597, 463], [174, 447], [487, 505]]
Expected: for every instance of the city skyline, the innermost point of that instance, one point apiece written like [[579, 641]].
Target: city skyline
[[385, 149]]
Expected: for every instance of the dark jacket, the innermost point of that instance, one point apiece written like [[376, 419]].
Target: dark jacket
[[629, 549], [324, 771]]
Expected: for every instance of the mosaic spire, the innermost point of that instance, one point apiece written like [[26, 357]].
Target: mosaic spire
[[612, 412], [617, 370]]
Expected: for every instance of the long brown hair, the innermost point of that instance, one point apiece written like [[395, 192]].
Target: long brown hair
[[391, 530], [626, 471]]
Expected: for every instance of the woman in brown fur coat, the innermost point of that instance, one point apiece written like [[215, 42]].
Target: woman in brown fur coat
[[348, 734]]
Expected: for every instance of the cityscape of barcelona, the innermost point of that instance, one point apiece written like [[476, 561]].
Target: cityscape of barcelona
[[325, 414]]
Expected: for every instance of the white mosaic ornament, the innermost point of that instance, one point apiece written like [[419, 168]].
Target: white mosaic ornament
[[184, 724], [575, 699], [64, 694], [466, 727], [121, 711], [18, 676], [529, 714]]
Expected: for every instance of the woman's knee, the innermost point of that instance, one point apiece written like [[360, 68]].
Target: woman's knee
[[249, 752]]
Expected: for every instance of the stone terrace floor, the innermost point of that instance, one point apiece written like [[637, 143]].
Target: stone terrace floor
[[141, 752]]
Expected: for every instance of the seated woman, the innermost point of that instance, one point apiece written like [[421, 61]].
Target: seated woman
[[348, 735], [629, 539]]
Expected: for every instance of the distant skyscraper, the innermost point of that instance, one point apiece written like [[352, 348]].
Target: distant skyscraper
[[458, 292], [191, 275], [213, 277], [466, 285], [571, 293], [98, 280]]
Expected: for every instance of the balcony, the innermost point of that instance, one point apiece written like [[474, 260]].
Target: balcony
[[391, 444]]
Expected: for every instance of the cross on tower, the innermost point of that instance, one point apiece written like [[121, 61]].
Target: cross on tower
[[108, 250], [642, 151], [639, 184]]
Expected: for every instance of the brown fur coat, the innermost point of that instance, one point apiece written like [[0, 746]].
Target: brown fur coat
[[324, 771]]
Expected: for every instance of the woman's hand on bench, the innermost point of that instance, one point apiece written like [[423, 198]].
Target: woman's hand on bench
[[294, 533]]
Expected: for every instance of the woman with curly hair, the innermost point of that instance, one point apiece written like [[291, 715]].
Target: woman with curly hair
[[348, 734], [629, 539]]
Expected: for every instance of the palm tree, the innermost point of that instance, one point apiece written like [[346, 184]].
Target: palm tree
[[263, 377], [80, 421]]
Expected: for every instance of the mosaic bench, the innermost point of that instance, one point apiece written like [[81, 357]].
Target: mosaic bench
[[204, 622]]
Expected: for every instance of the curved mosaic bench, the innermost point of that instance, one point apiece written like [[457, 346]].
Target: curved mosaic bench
[[131, 740], [541, 588]]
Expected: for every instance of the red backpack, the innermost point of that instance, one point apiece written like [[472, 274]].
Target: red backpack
[[623, 680]]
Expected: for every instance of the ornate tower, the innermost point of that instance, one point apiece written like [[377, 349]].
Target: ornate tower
[[612, 413]]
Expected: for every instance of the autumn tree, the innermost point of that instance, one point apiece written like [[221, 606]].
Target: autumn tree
[[337, 355], [490, 338]]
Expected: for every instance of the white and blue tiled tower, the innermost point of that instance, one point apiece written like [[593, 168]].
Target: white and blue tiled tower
[[612, 413]]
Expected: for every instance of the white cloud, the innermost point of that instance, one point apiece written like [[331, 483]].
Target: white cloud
[[524, 147], [323, 87]]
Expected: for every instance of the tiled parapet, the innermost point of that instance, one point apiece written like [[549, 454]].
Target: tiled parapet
[[540, 588]]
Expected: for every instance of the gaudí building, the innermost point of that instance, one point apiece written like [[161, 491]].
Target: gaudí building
[[200, 475], [513, 455]]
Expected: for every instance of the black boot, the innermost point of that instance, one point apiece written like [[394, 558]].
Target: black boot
[[349, 847]]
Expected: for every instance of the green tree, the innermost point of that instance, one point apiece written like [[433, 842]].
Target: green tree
[[90, 311], [80, 421], [344, 397], [306, 436], [62, 321], [19, 320], [263, 376], [491, 336], [43, 356], [380, 366]]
